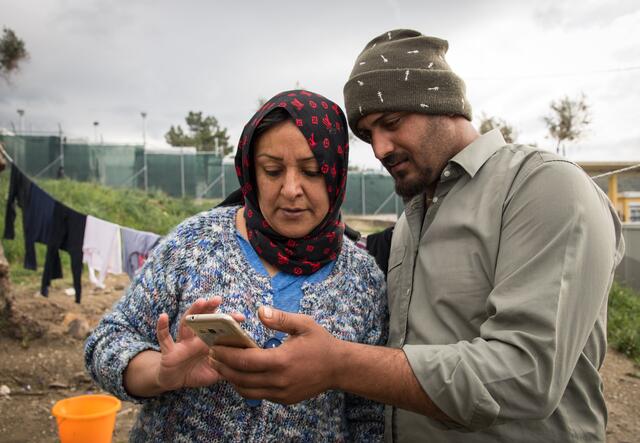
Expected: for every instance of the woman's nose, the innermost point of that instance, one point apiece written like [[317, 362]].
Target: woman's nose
[[292, 186]]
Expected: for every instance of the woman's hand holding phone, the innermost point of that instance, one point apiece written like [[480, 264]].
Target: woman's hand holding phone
[[185, 363]]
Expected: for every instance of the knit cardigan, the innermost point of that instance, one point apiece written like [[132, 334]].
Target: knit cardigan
[[202, 258]]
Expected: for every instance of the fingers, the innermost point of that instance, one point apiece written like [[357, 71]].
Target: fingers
[[252, 385], [292, 324], [237, 316], [200, 306], [162, 332], [246, 360], [244, 380]]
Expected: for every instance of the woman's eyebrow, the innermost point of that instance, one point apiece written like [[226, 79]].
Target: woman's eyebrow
[[276, 158], [269, 156]]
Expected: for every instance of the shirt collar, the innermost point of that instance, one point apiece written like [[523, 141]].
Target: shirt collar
[[474, 155]]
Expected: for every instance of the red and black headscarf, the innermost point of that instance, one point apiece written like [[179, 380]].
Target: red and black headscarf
[[323, 124]]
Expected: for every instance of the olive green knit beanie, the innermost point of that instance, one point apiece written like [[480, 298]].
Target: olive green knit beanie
[[403, 70]]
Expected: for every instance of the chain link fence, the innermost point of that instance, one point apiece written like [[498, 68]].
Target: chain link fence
[[179, 172]]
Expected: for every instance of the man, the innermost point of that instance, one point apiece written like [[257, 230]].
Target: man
[[498, 275]]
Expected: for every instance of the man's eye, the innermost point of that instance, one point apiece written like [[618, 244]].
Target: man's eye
[[366, 136], [392, 123]]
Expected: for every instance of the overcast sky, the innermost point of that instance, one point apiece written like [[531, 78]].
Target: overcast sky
[[106, 61]]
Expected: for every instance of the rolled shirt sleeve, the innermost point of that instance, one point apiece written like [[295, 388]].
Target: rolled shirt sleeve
[[559, 244]]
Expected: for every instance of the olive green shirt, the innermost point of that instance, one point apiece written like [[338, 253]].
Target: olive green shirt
[[498, 297]]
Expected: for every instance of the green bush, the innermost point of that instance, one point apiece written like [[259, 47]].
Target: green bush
[[623, 328], [154, 212]]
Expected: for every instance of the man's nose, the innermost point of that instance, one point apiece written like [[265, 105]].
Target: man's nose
[[292, 186], [381, 144]]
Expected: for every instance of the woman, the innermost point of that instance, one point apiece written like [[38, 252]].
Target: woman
[[285, 248]]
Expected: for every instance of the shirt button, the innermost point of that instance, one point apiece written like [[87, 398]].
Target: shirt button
[[435, 199], [447, 173]]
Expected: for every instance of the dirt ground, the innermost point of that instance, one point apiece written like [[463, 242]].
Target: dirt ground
[[42, 371]]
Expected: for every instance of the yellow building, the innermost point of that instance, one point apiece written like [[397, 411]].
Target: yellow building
[[622, 188], [630, 203]]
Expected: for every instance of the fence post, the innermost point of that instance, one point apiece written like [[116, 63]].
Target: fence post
[[224, 183], [182, 170], [61, 147], [146, 173], [362, 187]]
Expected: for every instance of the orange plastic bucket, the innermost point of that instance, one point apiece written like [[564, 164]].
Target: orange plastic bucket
[[86, 418]]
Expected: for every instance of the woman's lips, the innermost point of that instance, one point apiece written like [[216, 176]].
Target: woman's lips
[[293, 212]]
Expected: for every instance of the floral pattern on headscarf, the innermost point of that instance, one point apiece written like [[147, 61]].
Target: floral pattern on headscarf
[[323, 124]]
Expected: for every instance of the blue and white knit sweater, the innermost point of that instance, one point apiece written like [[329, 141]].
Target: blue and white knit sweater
[[202, 258]]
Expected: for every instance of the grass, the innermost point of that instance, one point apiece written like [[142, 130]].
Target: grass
[[154, 212], [623, 328]]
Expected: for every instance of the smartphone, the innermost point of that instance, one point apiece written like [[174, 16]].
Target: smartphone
[[219, 329]]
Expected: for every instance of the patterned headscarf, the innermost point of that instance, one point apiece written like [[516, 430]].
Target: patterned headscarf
[[323, 124]]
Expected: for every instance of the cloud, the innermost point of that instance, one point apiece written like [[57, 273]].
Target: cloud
[[584, 13], [109, 60]]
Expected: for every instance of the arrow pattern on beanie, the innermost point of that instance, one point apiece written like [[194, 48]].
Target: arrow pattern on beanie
[[403, 70]]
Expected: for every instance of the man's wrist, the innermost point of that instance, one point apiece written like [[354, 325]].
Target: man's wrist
[[341, 357]]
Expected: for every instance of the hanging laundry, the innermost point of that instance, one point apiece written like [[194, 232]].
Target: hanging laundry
[[19, 190], [136, 246], [67, 233], [102, 249], [38, 223]]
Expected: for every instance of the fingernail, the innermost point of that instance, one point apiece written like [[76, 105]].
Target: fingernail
[[267, 312]]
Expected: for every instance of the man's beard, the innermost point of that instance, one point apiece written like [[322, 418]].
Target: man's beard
[[410, 188], [406, 188]]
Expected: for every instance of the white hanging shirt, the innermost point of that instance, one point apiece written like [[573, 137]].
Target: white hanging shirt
[[101, 249]]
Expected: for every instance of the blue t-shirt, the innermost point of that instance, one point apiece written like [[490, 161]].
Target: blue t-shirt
[[287, 288]]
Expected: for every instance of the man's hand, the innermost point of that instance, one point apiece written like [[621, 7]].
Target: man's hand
[[301, 368], [312, 361]]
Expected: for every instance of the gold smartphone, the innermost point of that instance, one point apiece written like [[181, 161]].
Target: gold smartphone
[[219, 329]]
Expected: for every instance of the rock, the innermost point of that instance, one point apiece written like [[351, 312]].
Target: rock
[[81, 377], [68, 318], [70, 292], [25, 328], [79, 329], [4, 390]]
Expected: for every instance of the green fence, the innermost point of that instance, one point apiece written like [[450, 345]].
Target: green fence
[[180, 172]]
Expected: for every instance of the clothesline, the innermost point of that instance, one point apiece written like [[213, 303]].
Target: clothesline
[[102, 245], [617, 171]]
